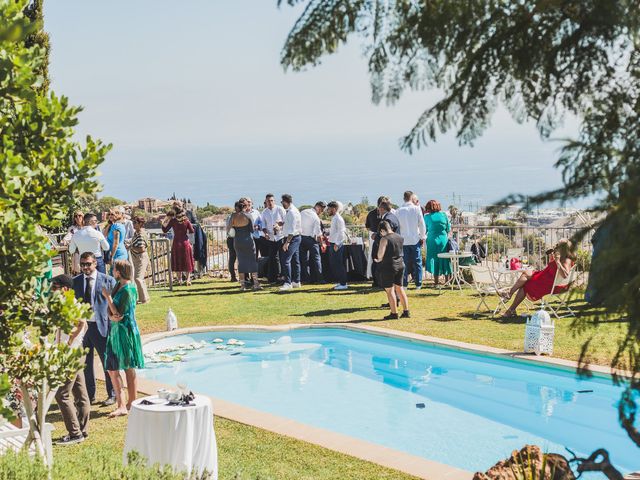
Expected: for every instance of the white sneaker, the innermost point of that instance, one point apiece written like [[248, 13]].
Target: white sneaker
[[296, 284], [340, 287], [285, 287]]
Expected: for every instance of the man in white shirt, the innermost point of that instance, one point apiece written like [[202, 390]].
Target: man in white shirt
[[414, 232], [290, 254], [337, 238], [310, 261], [89, 239], [272, 219], [72, 397]]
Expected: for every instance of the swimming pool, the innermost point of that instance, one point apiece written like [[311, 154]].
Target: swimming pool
[[451, 406]]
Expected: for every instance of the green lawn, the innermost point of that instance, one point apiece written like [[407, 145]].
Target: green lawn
[[244, 453], [250, 453]]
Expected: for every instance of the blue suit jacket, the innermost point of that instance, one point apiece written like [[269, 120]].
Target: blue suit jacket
[[100, 305]]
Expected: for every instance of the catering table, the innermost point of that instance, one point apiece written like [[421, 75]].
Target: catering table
[[456, 274], [182, 437], [355, 262]]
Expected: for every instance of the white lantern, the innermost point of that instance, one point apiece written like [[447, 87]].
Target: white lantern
[[539, 333], [172, 321]]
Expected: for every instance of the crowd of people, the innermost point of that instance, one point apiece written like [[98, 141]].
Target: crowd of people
[[291, 241]]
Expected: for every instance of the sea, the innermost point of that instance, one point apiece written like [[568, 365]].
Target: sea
[[468, 177]]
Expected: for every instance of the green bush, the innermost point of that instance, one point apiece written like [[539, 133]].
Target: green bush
[[534, 245], [496, 243], [583, 261]]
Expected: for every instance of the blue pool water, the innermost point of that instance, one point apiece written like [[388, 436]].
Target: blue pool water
[[477, 407]]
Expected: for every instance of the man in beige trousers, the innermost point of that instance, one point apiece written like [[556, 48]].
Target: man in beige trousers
[[72, 397]]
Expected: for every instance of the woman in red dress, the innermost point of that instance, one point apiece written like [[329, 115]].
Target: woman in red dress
[[537, 284], [181, 251]]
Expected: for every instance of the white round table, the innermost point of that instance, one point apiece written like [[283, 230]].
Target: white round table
[[456, 273], [182, 437]]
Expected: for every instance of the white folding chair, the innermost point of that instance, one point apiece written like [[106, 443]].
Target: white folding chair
[[559, 298], [486, 285]]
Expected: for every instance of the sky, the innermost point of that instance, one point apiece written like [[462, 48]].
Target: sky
[[194, 100]]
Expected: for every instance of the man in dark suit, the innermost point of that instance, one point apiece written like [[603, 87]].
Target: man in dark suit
[[88, 288]]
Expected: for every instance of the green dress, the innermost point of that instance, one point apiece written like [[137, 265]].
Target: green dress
[[124, 349], [438, 228]]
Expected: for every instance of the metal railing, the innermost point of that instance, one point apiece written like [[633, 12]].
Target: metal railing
[[533, 242], [497, 240], [159, 251]]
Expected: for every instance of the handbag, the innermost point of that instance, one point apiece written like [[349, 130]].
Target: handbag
[[452, 246], [231, 233]]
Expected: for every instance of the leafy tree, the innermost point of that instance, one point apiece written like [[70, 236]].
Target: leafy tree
[[105, 203], [43, 170], [543, 61]]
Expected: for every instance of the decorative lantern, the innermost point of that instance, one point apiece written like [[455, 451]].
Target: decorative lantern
[[539, 333]]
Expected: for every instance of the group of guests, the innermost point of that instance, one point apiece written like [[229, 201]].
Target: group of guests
[[120, 238], [290, 240], [111, 330]]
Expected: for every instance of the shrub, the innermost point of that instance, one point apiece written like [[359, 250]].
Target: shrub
[[534, 244], [98, 465], [583, 261], [496, 243]]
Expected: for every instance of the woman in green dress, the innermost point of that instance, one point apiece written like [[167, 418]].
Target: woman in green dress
[[438, 228], [124, 348]]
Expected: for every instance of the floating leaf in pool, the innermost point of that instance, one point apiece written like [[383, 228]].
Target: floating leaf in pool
[[420, 405], [272, 341], [240, 343], [236, 353], [232, 341], [221, 347], [217, 340], [585, 391]]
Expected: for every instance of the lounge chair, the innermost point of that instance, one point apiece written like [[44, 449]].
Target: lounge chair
[[556, 301]]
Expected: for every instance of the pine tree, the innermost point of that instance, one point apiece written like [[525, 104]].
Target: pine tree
[[542, 60]]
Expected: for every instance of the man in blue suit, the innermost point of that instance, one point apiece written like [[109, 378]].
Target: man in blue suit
[[88, 288]]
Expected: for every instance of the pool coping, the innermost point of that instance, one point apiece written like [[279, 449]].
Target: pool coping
[[385, 456]]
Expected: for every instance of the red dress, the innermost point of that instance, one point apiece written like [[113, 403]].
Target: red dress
[[541, 282], [181, 251]]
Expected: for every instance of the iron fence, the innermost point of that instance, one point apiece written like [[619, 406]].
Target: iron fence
[[531, 242]]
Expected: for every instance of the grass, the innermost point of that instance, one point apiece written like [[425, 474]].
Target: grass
[[246, 452], [444, 314]]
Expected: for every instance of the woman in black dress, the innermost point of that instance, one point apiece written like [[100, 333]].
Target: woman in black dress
[[391, 269], [243, 244]]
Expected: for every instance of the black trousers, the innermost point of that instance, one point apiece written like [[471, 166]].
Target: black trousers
[[232, 258], [94, 341], [274, 263], [374, 265]]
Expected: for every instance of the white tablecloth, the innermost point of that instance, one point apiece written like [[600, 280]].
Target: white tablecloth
[[182, 437]]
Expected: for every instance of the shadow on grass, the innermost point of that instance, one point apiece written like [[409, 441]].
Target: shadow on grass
[[336, 311]]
